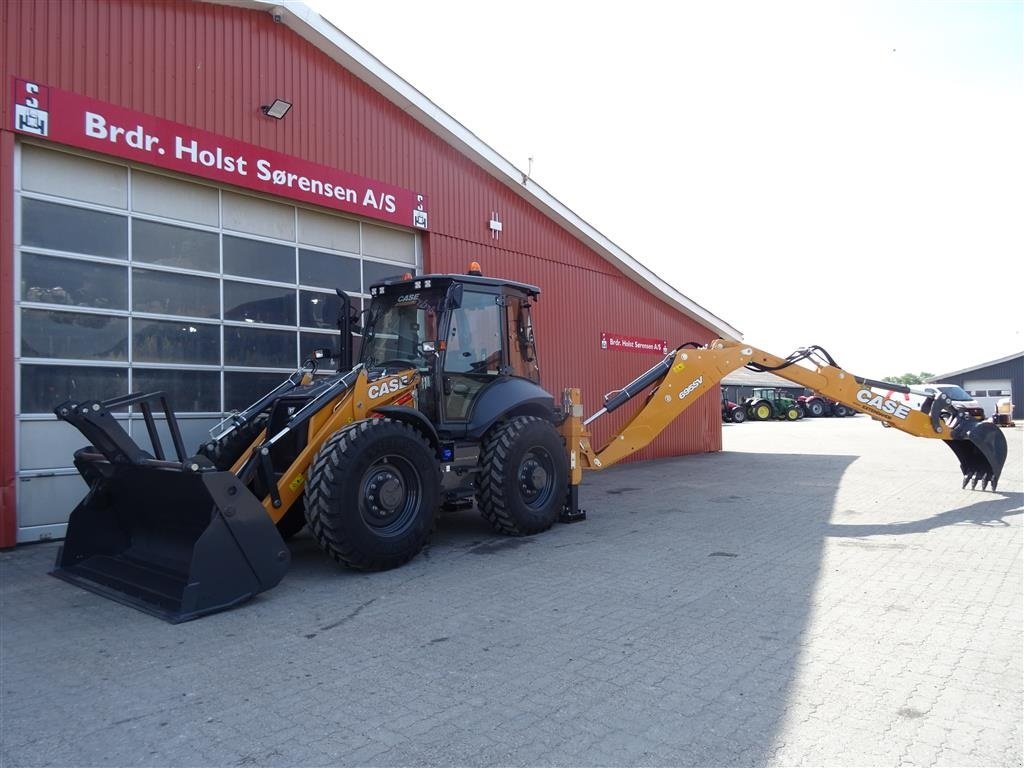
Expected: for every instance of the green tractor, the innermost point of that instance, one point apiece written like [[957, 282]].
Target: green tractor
[[769, 403]]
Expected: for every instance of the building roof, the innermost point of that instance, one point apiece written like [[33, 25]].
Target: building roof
[[315, 29], [744, 377], [1006, 359]]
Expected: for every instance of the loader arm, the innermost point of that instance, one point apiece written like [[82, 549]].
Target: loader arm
[[351, 398], [689, 371]]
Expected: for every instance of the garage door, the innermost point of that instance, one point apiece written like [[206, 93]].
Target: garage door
[[129, 280], [988, 392]]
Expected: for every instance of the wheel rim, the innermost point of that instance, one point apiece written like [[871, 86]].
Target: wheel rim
[[763, 412], [536, 478], [389, 495]]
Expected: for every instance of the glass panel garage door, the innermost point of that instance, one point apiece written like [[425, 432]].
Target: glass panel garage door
[[129, 280]]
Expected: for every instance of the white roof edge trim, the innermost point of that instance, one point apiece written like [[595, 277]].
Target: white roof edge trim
[[309, 25], [1006, 359]]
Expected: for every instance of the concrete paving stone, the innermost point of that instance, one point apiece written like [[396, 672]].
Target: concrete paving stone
[[871, 614]]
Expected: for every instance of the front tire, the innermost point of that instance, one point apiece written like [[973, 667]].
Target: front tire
[[372, 494], [815, 408], [524, 476], [739, 415]]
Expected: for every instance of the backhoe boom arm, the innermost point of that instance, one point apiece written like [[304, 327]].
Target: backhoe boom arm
[[686, 373]]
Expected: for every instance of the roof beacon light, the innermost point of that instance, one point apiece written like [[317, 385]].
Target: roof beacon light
[[474, 269]]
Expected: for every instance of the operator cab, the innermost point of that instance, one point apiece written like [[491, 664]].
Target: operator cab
[[463, 333]]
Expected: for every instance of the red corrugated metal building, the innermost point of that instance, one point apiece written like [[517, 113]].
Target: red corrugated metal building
[[147, 199]]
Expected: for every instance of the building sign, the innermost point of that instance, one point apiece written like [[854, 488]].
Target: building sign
[[633, 343], [68, 118]]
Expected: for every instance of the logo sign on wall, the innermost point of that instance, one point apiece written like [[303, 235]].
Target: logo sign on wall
[[77, 121], [617, 341]]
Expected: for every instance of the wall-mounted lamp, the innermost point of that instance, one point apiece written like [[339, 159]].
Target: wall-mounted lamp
[[277, 110]]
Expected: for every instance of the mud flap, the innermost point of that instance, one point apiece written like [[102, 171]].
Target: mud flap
[[981, 449], [174, 544]]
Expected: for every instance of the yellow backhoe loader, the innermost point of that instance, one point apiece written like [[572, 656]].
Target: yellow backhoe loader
[[444, 407]]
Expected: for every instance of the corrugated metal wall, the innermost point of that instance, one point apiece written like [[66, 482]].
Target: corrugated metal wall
[[212, 66], [1008, 369]]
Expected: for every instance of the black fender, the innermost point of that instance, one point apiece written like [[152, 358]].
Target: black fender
[[414, 418], [505, 398]]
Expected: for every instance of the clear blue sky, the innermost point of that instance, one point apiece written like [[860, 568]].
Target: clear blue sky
[[843, 174]]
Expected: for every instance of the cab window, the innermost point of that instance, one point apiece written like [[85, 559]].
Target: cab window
[[474, 336], [472, 357], [522, 351]]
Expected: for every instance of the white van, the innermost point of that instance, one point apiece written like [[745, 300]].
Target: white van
[[962, 401]]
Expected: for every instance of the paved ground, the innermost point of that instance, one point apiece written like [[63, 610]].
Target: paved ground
[[822, 593]]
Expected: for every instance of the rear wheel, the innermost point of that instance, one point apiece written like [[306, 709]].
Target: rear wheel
[[224, 453], [524, 476], [372, 494], [761, 411]]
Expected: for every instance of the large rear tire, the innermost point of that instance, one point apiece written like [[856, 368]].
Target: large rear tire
[[761, 411], [524, 476], [372, 494], [224, 453]]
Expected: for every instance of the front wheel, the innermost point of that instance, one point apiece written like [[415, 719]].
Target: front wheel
[[841, 410], [524, 476], [372, 494], [792, 414], [738, 415], [815, 408]]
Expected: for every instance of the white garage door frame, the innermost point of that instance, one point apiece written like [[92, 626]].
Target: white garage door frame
[[48, 485], [988, 392]]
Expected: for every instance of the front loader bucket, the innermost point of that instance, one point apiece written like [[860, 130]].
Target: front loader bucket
[[981, 449], [172, 543]]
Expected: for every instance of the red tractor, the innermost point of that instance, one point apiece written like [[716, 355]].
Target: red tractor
[[816, 405], [731, 412]]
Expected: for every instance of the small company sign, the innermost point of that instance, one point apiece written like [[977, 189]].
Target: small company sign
[[68, 118], [633, 343]]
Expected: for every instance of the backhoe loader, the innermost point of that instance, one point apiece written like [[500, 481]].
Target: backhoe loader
[[444, 407]]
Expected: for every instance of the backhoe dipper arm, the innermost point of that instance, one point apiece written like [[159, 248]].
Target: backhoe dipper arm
[[686, 373]]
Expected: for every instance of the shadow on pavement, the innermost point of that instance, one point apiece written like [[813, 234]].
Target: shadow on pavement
[[990, 512], [667, 629]]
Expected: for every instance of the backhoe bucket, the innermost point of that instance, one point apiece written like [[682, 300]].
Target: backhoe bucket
[[175, 544], [981, 449]]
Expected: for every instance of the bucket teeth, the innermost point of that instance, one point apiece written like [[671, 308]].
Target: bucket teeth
[[981, 449]]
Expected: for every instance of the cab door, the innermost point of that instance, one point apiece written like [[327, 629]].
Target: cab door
[[474, 355]]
